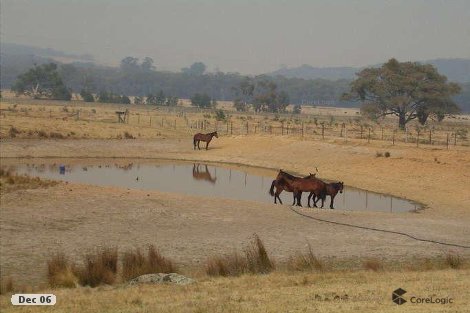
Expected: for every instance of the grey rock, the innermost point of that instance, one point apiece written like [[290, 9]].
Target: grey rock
[[160, 278]]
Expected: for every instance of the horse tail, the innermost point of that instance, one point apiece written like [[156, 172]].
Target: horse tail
[[271, 190]]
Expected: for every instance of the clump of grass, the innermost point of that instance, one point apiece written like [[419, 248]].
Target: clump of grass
[[372, 264], [379, 154], [135, 263], [387, 154], [7, 286], [60, 273], [453, 260], [13, 132], [56, 135], [305, 262], [99, 268], [255, 260], [42, 134], [128, 135]]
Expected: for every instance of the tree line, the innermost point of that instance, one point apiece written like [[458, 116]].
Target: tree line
[[408, 90]]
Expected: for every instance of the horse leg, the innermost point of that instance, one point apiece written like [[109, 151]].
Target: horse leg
[[315, 200], [207, 144], [198, 142], [308, 199], [331, 203], [299, 196], [323, 200], [276, 195]]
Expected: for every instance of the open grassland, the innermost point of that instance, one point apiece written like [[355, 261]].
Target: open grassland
[[360, 291], [39, 219]]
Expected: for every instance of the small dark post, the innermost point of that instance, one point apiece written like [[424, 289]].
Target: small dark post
[[417, 138], [362, 128], [393, 138], [323, 130], [382, 133], [430, 136], [175, 123], [455, 138], [368, 138], [150, 121], [447, 141], [247, 128], [227, 127], [282, 128], [302, 129], [231, 128], [162, 121], [138, 118]]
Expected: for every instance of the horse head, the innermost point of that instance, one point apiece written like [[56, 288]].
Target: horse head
[[215, 134], [340, 186]]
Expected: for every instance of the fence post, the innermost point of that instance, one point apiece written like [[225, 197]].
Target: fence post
[[175, 123], [138, 118], [417, 138], [430, 136], [361, 131], [231, 128], [323, 130], [455, 138], [150, 122], [282, 128], [247, 128], [368, 138], [382, 133], [393, 137], [302, 129], [447, 141]]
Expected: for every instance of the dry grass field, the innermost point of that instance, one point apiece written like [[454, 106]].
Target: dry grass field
[[40, 219]]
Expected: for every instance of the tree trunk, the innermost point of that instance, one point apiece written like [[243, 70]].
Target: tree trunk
[[401, 120]]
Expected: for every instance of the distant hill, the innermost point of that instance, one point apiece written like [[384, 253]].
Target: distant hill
[[457, 70], [22, 50]]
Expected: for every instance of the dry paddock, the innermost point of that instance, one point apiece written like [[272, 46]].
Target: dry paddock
[[75, 218]]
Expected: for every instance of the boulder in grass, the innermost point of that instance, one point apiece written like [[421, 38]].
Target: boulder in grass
[[160, 278]]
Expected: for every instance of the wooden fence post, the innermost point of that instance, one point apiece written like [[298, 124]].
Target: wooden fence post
[[323, 130], [361, 131], [430, 136], [368, 138], [417, 138], [455, 138], [447, 141], [393, 137]]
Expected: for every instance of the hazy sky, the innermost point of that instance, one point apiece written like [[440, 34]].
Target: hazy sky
[[244, 36]]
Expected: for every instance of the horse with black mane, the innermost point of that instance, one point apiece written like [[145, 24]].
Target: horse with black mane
[[331, 190], [203, 137], [281, 185]]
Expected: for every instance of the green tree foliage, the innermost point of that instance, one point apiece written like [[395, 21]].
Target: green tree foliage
[[87, 96], [196, 69], [109, 97], [42, 81], [267, 99], [129, 64], [201, 100], [407, 90], [297, 109], [147, 64], [161, 99]]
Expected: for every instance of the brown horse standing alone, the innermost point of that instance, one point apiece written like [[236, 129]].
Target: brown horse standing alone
[[203, 137]]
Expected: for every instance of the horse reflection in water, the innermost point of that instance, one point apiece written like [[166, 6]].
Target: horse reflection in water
[[203, 174]]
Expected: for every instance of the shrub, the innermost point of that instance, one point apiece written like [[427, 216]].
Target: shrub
[[128, 135], [305, 262], [99, 268], [373, 264], [13, 132], [255, 260], [60, 273], [453, 260], [135, 263], [378, 154], [387, 154], [220, 115]]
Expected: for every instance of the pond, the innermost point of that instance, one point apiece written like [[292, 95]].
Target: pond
[[203, 180]]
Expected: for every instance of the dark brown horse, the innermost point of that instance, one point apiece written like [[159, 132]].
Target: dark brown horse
[[203, 137], [330, 190], [281, 185], [312, 185]]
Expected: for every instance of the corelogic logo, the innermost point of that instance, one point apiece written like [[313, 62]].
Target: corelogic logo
[[397, 296]]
